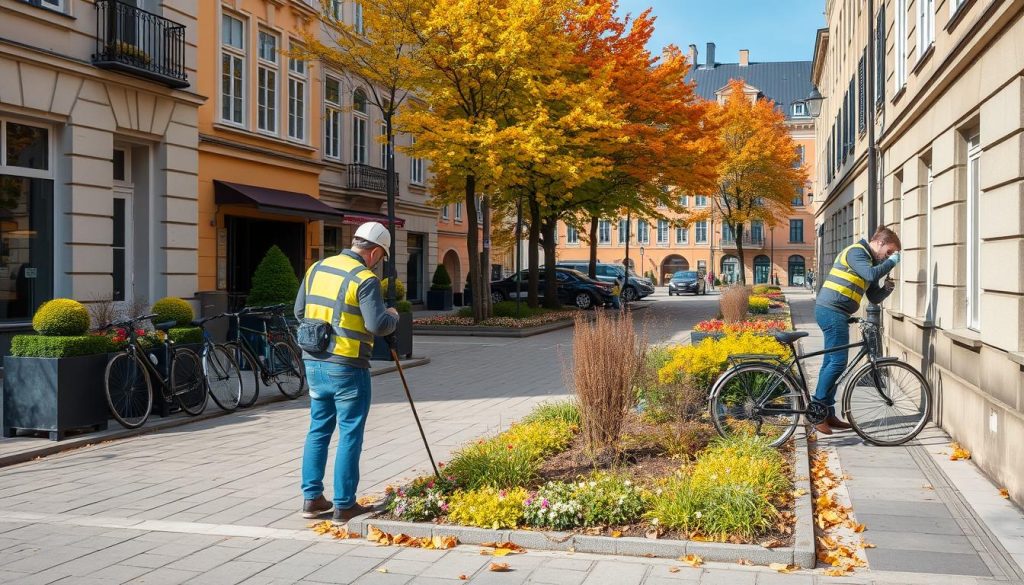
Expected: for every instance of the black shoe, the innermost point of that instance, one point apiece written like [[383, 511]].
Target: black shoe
[[342, 516], [316, 507]]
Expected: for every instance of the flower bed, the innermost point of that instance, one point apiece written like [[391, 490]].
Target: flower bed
[[508, 322], [748, 326]]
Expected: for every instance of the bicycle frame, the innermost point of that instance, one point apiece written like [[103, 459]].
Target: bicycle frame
[[265, 372], [135, 348]]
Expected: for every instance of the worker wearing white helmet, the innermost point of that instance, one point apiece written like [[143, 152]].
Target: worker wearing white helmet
[[342, 294]]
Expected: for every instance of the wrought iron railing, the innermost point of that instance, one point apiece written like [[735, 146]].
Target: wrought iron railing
[[749, 241], [140, 43], [369, 178]]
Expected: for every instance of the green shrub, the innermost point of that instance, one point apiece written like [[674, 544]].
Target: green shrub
[[487, 507], [62, 346], [743, 460], [274, 281], [758, 305], [441, 280], [175, 310], [760, 289], [511, 458], [424, 499], [554, 506], [705, 361], [403, 307], [399, 289], [600, 500], [565, 411], [61, 317], [185, 334]]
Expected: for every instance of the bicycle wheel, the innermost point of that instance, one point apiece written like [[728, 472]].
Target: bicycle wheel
[[892, 414], [128, 389], [756, 399], [187, 383], [222, 377], [288, 372], [245, 362]]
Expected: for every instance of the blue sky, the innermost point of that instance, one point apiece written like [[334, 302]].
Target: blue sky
[[774, 30]]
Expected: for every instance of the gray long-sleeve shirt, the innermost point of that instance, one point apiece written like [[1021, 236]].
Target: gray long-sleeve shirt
[[371, 304], [863, 264]]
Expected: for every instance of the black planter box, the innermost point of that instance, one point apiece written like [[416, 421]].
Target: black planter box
[[54, 395], [161, 406], [381, 351], [439, 300], [457, 299]]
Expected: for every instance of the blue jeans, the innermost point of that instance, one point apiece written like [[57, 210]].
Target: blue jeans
[[837, 332], [339, 395]]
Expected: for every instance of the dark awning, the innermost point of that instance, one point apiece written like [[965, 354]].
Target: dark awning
[[273, 200], [360, 217]]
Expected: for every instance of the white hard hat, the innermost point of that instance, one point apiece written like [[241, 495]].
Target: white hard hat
[[375, 233]]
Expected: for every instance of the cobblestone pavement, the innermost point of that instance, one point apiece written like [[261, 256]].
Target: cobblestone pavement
[[216, 501]]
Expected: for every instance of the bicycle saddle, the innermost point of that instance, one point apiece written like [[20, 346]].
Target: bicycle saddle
[[789, 336]]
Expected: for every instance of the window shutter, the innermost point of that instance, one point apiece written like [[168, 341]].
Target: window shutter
[[862, 111], [880, 58]]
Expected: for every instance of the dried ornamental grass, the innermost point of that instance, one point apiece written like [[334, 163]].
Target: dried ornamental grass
[[608, 358], [734, 303]]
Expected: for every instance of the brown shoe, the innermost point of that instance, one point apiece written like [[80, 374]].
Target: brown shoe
[[342, 516], [838, 423], [316, 507], [821, 427]]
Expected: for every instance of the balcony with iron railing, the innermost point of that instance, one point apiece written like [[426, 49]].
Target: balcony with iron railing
[[140, 43], [749, 240], [368, 178]]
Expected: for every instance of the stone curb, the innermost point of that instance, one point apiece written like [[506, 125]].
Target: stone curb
[[455, 330], [801, 553], [212, 411]]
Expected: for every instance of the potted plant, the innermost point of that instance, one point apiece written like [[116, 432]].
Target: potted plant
[[439, 297], [403, 333], [177, 311], [53, 381]]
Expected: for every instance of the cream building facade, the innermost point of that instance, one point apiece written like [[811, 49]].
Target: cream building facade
[[98, 131], [950, 133]]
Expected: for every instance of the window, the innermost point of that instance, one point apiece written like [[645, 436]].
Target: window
[[798, 197], [700, 232], [335, 8], [682, 234], [727, 234], [357, 18], [796, 230], [359, 121], [757, 231], [954, 5], [416, 170], [332, 118], [801, 153], [572, 235], [900, 44], [458, 211], [643, 232], [232, 70], [973, 233], [623, 231], [663, 231], [297, 99], [604, 231], [700, 200], [57, 5], [26, 230], [683, 201], [266, 83], [925, 26], [444, 212], [799, 109]]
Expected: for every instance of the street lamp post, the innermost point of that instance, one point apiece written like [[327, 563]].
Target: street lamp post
[[773, 279], [519, 252], [641, 259]]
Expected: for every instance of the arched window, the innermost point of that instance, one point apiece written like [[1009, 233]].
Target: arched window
[[730, 269], [797, 269], [359, 124]]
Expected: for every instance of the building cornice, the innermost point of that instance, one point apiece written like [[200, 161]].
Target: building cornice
[[818, 60], [223, 143]]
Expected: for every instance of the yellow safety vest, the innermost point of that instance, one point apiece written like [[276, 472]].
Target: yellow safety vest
[[845, 280], [332, 287]]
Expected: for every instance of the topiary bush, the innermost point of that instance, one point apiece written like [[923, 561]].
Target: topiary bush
[[441, 280], [403, 307], [274, 281], [173, 309], [399, 289], [61, 317], [185, 334], [47, 346]]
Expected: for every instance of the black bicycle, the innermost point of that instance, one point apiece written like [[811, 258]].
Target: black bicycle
[[888, 402], [223, 377], [272, 362], [130, 373]]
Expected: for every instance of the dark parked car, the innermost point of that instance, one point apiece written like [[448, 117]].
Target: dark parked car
[[574, 288], [637, 287], [686, 281]]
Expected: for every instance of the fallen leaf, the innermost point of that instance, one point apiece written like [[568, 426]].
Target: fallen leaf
[[783, 568], [746, 562], [463, 577], [616, 533], [836, 572], [652, 533], [1004, 492], [367, 500], [927, 487], [498, 552], [799, 492], [502, 548], [692, 560], [499, 567], [867, 545], [859, 528], [959, 453], [673, 569], [382, 570], [773, 543]]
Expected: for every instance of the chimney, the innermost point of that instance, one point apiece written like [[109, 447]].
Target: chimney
[[693, 56], [711, 56], [744, 57]]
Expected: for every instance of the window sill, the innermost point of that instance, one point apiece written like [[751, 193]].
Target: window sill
[[262, 136], [924, 58], [898, 315], [1016, 357], [957, 16], [923, 323], [899, 93], [966, 337]]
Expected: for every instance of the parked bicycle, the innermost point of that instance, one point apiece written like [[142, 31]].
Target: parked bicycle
[[223, 377], [130, 373], [273, 362], [887, 401]]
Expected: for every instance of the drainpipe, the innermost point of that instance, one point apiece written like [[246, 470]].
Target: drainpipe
[[874, 311]]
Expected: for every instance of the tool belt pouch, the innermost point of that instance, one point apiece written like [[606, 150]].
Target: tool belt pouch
[[314, 335]]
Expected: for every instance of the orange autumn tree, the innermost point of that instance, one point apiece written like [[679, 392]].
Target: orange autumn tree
[[760, 166], [666, 146]]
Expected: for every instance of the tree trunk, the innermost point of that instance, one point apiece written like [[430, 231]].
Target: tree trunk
[[473, 247], [485, 257], [592, 268], [532, 294], [550, 231], [738, 231]]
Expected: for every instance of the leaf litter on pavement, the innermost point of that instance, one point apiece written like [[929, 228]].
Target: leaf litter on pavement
[[376, 535], [833, 522]]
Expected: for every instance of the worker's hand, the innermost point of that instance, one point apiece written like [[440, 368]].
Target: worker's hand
[[392, 311], [889, 284], [392, 341], [895, 257]]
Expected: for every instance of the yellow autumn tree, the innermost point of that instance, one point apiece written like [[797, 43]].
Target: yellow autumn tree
[[760, 167]]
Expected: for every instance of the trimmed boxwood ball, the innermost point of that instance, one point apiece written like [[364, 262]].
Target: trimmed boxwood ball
[[47, 346], [399, 289], [441, 280], [403, 306], [61, 317], [274, 281], [185, 334], [173, 309]]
